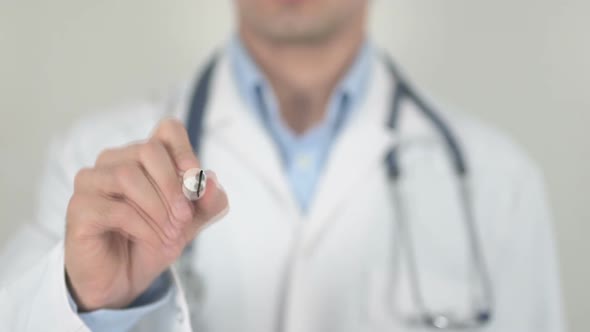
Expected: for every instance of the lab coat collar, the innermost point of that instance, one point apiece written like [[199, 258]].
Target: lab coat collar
[[228, 120], [361, 147]]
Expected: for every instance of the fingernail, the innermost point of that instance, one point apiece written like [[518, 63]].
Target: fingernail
[[213, 220], [213, 176], [181, 209]]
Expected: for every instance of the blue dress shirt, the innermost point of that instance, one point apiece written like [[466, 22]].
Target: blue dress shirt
[[303, 158], [303, 155], [159, 293]]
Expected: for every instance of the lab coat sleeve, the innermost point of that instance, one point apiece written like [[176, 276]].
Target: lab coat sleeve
[[525, 273], [37, 300], [33, 293]]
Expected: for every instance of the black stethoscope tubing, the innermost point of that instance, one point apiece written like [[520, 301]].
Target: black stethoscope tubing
[[402, 90]]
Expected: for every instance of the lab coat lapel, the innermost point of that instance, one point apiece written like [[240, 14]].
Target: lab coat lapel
[[360, 151], [229, 122]]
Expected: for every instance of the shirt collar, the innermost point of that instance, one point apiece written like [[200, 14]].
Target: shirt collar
[[248, 76], [355, 80]]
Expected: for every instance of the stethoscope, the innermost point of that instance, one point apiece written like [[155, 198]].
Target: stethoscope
[[482, 299]]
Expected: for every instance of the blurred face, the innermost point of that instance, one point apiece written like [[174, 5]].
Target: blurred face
[[298, 21]]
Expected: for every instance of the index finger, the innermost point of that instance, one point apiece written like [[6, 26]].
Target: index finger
[[173, 135]]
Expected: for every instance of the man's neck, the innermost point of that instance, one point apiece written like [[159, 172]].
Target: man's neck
[[303, 76]]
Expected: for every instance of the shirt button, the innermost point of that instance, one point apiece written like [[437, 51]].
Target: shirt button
[[303, 161]]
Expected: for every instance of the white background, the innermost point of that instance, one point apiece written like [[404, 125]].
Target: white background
[[522, 65]]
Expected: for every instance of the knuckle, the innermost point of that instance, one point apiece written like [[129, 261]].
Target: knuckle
[[147, 150], [125, 175], [79, 213], [75, 231], [169, 127], [80, 179], [104, 156], [73, 210]]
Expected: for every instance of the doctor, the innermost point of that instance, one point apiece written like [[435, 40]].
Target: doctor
[[355, 205]]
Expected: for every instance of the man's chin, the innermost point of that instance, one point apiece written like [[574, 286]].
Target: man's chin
[[298, 33]]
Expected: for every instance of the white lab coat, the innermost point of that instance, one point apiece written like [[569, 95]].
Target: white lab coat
[[340, 252]]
